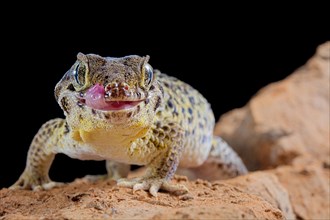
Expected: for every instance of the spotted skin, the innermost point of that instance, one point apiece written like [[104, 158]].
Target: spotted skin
[[171, 126]]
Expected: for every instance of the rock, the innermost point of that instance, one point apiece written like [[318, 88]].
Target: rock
[[287, 124], [82, 200], [266, 186], [285, 119], [287, 192], [308, 188]]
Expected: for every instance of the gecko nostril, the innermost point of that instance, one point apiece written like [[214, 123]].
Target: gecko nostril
[[111, 86], [124, 86], [108, 87], [116, 89]]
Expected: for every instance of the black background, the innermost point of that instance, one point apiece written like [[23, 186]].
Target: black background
[[228, 58]]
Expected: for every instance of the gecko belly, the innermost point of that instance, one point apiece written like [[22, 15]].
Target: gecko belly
[[115, 153]]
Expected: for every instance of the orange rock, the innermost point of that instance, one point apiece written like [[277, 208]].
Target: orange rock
[[308, 188], [266, 186]]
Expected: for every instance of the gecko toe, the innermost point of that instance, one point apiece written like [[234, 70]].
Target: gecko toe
[[154, 188], [51, 185], [140, 186], [176, 189], [129, 183]]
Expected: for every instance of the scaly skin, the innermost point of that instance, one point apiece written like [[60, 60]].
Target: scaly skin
[[163, 123]]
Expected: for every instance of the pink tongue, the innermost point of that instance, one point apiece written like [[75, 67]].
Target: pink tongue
[[94, 98]]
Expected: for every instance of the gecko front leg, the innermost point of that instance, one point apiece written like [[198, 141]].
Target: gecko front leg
[[168, 139], [40, 157]]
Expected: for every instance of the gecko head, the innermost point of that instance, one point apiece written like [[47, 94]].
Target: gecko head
[[107, 93]]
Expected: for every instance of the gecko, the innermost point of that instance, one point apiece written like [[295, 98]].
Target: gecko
[[124, 112]]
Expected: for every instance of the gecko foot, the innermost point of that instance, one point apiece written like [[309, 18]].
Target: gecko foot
[[34, 183], [94, 178], [152, 184]]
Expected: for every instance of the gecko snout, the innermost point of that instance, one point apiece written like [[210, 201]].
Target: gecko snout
[[116, 90]]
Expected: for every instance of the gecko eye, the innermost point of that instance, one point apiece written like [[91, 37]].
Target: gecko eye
[[79, 73], [149, 73]]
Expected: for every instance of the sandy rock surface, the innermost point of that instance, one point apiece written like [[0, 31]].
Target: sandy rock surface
[[105, 200]]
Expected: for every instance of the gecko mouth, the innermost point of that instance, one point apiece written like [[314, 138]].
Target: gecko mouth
[[97, 99], [116, 105], [103, 105]]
